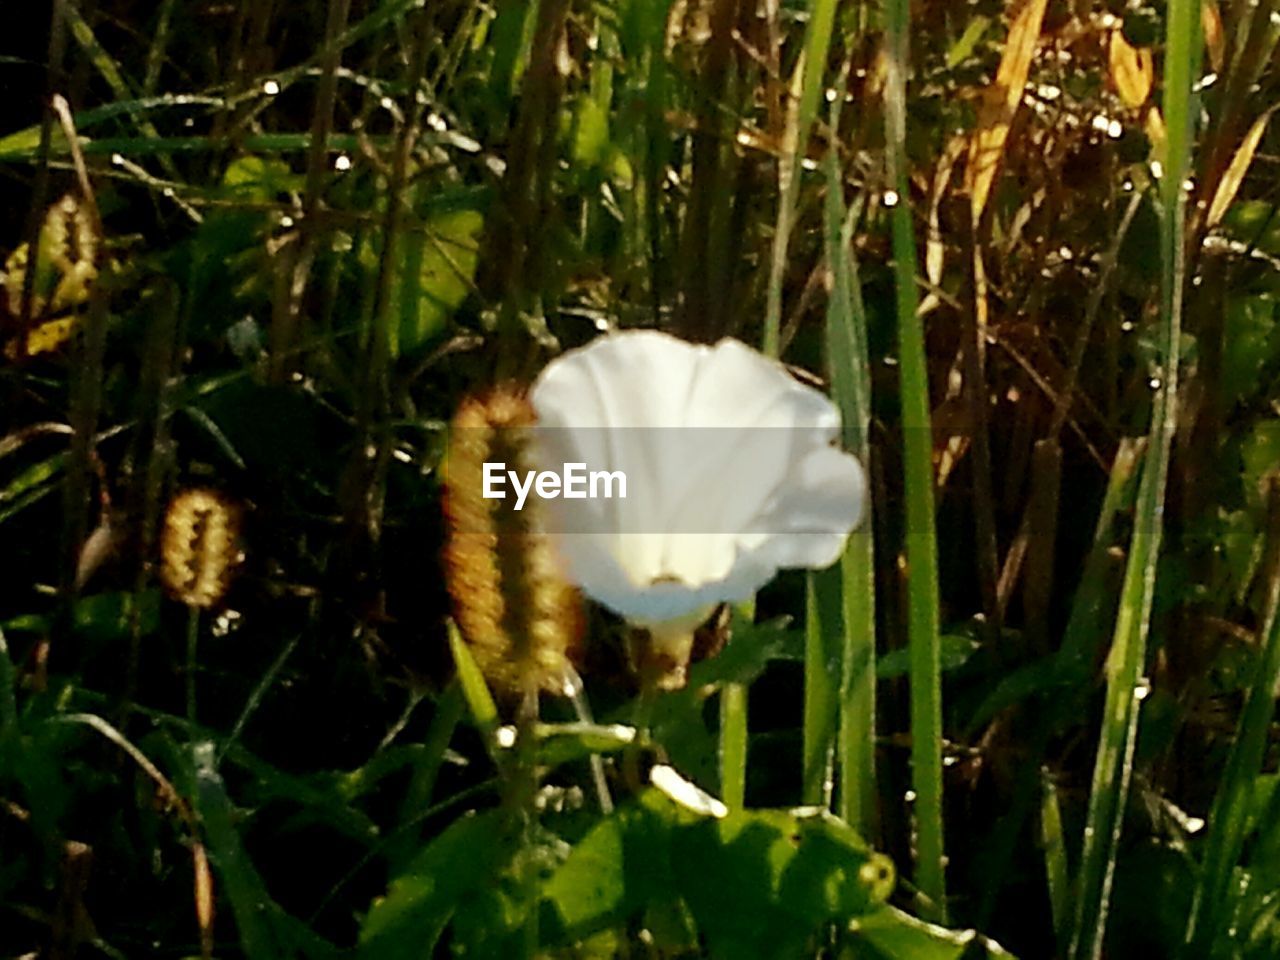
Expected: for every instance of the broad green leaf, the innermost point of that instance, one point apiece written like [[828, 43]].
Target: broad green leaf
[[621, 864], [891, 934], [260, 179], [763, 882], [437, 271], [407, 923], [754, 883], [678, 722]]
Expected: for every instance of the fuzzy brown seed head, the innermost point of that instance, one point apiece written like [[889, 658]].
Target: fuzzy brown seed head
[[200, 546], [511, 601], [66, 262]]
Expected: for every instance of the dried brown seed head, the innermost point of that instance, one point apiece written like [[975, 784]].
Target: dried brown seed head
[[200, 546]]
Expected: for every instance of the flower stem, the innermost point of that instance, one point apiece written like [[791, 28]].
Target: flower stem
[[733, 745]]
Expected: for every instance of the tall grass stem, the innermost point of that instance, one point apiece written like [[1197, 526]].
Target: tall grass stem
[[917, 440]]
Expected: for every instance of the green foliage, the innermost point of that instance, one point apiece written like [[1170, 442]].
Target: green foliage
[[265, 930], [327, 222], [450, 875], [755, 883], [439, 267]]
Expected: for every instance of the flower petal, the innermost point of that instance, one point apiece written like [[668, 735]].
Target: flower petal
[[731, 473]]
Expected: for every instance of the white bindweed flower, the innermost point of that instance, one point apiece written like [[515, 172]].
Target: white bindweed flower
[[730, 465]]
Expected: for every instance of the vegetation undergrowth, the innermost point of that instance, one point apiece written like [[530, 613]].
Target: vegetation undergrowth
[[262, 260]]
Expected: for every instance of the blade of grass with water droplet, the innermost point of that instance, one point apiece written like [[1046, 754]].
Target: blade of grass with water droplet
[[1125, 663], [806, 92]]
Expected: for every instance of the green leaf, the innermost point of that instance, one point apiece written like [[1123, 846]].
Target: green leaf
[[894, 935], [755, 883], [762, 882], [438, 268], [678, 722], [259, 179], [1249, 344], [560, 743], [266, 931], [108, 616], [480, 701], [590, 132], [407, 923], [621, 864], [963, 48], [31, 484], [955, 651], [322, 797], [1260, 453]]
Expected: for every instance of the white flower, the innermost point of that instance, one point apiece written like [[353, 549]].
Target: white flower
[[730, 468]]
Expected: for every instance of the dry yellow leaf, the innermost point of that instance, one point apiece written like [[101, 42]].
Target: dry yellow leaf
[[1229, 185], [1132, 70], [204, 898], [1215, 43], [43, 338], [934, 248], [1154, 126], [1000, 103]]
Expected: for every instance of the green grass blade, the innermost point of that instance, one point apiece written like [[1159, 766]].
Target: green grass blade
[[821, 683], [917, 439], [817, 43], [265, 930], [8, 687], [850, 377], [110, 72], [474, 689], [1125, 663], [1055, 855], [1228, 818], [444, 723]]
